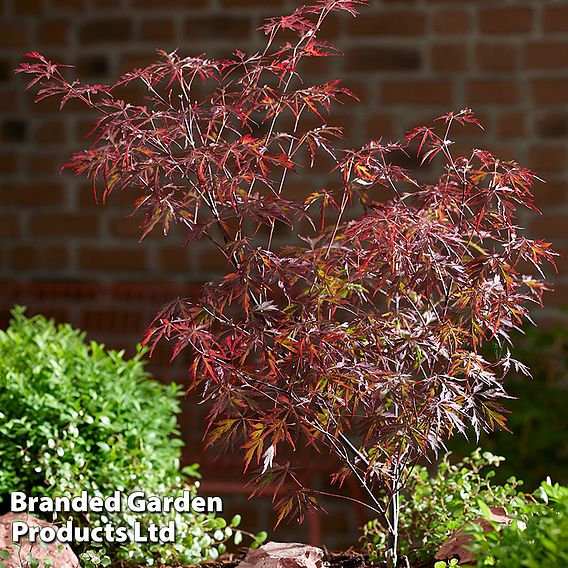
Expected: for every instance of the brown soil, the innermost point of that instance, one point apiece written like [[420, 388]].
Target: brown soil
[[348, 559]]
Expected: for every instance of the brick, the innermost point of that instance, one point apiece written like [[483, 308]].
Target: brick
[[492, 91], [476, 2], [113, 259], [159, 29], [9, 162], [165, 4], [138, 60], [50, 133], [548, 158], [28, 7], [95, 66], [28, 257], [174, 259], [64, 224], [77, 6], [212, 262], [317, 66], [12, 34], [14, 130], [251, 3], [126, 228], [106, 5], [551, 194], [8, 103], [425, 93], [379, 125], [552, 90], [31, 194], [55, 257], [395, 23], [509, 20], [451, 22], [6, 70], [511, 125], [551, 226], [46, 106], [217, 28], [552, 125], [448, 57], [23, 257], [496, 57], [54, 33], [377, 58], [115, 30], [43, 163], [555, 18], [119, 319], [9, 226], [546, 55]]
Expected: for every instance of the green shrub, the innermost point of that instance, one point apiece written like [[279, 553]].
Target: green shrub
[[75, 417], [433, 506], [543, 543]]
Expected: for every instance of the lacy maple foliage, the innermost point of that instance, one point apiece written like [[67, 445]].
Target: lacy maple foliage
[[365, 340]]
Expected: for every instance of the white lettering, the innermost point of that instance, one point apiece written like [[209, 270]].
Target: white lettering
[[121, 534], [80, 504], [183, 504], [96, 534], [138, 536], [62, 504], [18, 501], [167, 534], [19, 528], [198, 504], [135, 502], [96, 504], [154, 505], [47, 534], [113, 503], [214, 505]]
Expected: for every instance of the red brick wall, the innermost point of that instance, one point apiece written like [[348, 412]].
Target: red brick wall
[[409, 60]]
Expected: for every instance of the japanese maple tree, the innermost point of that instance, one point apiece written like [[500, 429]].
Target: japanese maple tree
[[365, 340]]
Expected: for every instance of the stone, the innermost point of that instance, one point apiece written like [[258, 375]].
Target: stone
[[283, 555], [60, 554]]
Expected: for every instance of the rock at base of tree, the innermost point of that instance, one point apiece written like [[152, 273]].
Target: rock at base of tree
[[60, 554], [283, 555]]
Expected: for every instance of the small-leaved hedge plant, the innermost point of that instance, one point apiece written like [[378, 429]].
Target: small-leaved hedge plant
[[363, 340], [458, 497], [432, 507], [75, 417], [535, 539]]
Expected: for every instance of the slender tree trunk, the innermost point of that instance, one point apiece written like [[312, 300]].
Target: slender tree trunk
[[392, 538]]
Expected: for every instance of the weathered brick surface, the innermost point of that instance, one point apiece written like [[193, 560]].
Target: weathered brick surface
[[409, 60]]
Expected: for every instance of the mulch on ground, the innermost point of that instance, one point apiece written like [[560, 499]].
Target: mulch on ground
[[348, 559]]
